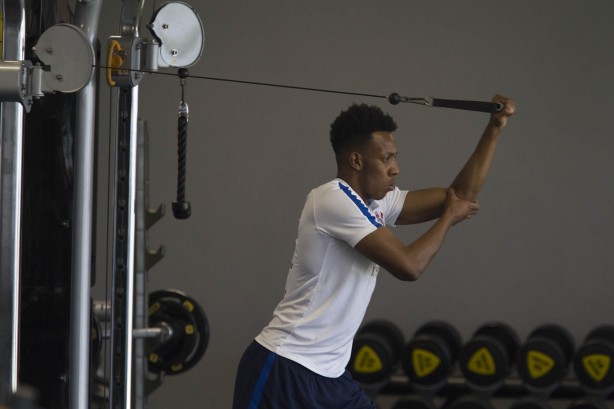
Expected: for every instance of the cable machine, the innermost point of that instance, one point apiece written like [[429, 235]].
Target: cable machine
[[76, 352], [70, 350]]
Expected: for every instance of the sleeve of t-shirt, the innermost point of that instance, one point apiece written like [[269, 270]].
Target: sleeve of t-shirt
[[343, 218], [393, 204]]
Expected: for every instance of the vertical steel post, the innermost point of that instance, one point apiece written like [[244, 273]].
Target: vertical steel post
[[87, 14], [11, 139]]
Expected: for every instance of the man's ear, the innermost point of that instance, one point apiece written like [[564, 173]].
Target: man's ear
[[356, 161]]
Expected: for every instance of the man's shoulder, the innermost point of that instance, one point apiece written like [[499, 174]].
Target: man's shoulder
[[334, 189]]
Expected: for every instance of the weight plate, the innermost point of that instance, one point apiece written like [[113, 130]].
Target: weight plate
[[189, 332]]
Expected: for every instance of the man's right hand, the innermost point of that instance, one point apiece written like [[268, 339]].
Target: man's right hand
[[456, 210]]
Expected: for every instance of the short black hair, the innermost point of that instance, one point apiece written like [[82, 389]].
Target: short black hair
[[353, 128]]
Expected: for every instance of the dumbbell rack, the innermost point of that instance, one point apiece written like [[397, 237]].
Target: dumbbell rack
[[490, 368]]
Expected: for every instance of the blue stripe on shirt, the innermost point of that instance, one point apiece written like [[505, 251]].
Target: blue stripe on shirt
[[361, 206]]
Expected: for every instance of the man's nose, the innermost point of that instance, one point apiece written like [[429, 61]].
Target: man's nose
[[394, 169]]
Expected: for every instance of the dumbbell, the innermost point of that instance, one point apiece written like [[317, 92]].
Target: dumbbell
[[594, 361], [430, 355], [488, 357], [414, 401], [376, 350], [543, 360]]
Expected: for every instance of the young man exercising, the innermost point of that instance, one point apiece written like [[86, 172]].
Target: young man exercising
[[299, 358]]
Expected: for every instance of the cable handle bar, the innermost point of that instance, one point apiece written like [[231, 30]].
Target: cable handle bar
[[479, 106]]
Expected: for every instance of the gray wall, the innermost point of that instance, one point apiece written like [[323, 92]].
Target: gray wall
[[539, 251]]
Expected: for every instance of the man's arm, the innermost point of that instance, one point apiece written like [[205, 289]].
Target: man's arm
[[472, 176], [407, 262], [427, 204]]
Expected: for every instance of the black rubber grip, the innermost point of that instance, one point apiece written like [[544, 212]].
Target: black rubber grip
[[479, 106]]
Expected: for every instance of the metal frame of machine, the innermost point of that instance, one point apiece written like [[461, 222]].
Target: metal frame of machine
[[144, 340]]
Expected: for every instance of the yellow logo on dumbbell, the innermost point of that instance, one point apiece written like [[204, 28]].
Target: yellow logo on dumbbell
[[367, 361], [597, 366], [482, 362], [425, 362], [539, 364]]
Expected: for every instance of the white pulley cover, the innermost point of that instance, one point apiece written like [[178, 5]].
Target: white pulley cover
[[68, 53], [180, 32]]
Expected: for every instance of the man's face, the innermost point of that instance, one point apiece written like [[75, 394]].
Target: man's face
[[380, 166]]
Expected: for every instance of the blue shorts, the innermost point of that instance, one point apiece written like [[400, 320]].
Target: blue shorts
[[266, 380]]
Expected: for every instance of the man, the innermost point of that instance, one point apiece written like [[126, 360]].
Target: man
[[299, 358]]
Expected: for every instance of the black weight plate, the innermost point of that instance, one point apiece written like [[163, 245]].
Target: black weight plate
[[190, 332]]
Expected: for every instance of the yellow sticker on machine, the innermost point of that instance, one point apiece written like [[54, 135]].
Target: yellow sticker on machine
[[597, 366], [482, 362], [539, 364], [425, 362], [367, 361]]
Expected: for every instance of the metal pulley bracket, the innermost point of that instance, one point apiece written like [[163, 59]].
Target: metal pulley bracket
[[181, 34], [19, 82], [69, 56]]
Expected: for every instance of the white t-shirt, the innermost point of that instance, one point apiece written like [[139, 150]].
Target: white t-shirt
[[329, 285]]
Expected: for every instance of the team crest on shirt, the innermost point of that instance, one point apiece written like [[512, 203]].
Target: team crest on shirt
[[374, 270], [379, 217]]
